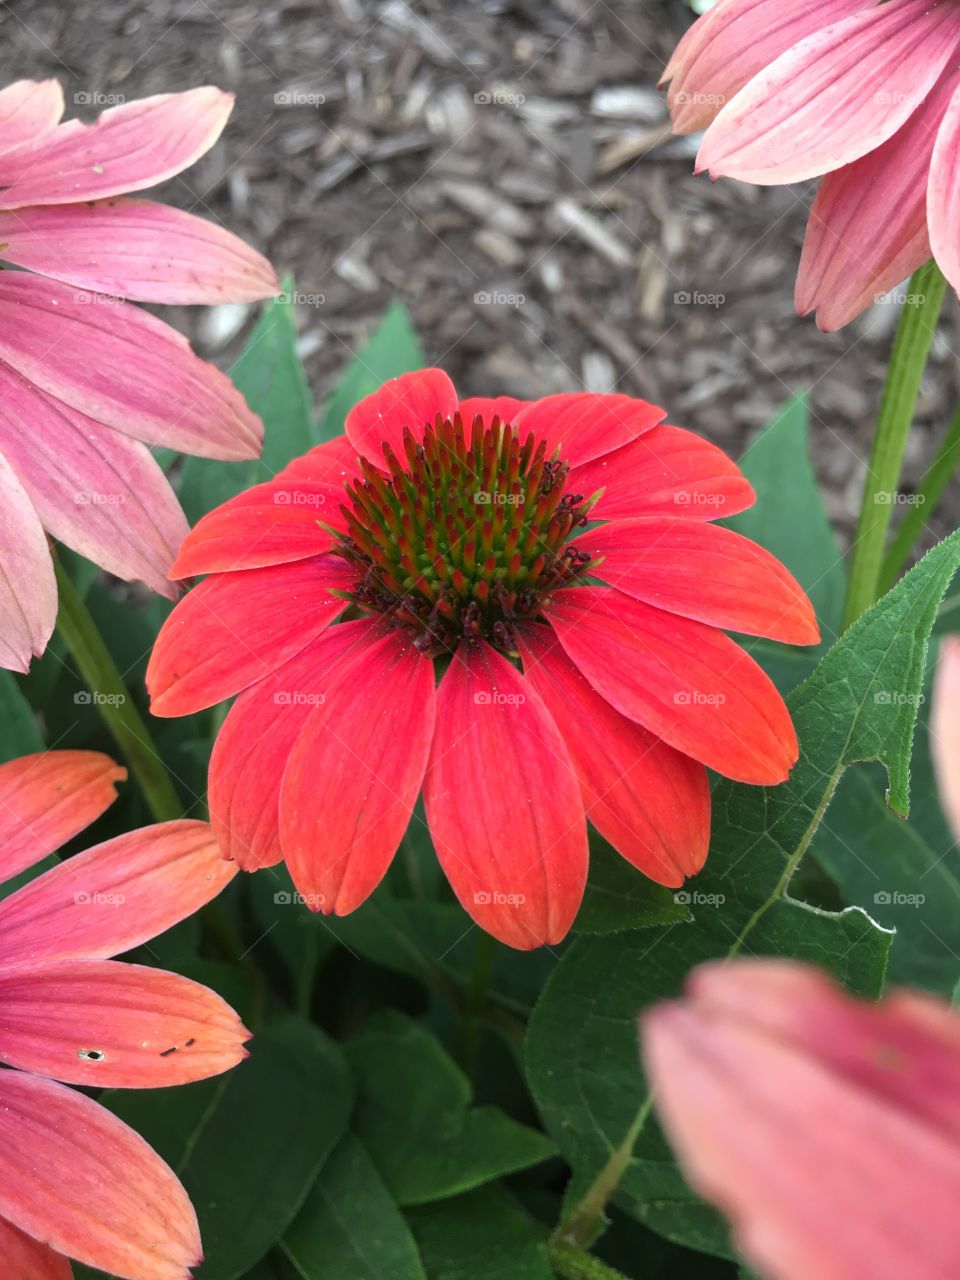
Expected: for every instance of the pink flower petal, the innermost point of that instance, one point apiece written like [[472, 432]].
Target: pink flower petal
[[115, 1025], [254, 744], [834, 96], [28, 588], [825, 1128], [348, 792], [943, 191], [95, 490], [132, 146], [28, 1259], [114, 896], [687, 683], [867, 229], [649, 801], [77, 1178], [29, 109], [667, 471], [731, 43], [503, 803], [705, 572], [583, 426], [412, 400], [945, 730], [138, 250], [122, 367], [46, 799], [236, 628]]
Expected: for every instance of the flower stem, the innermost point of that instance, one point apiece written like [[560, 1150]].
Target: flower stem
[[572, 1263], [928, 495], [104, 682], [908, 360]]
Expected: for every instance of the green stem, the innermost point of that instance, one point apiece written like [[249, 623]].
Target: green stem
[[908, 360], [572, 1263], [105, 685], [928, 495], [581, 1227]]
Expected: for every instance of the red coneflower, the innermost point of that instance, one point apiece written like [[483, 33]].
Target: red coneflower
[[581, 670]]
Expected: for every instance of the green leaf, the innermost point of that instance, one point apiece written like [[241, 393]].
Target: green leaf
[[393, 349], [581, 1044], [480, 1236], [270, 375], [21, 734], [350, 1227], [788, 517], [249, 1144], [414, 1116], [618, 897]]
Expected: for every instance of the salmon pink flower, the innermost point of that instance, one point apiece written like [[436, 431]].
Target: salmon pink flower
[[862, 94], [826, 1128], [75, 1182], [945, 730], [581, 673], [85, 377]]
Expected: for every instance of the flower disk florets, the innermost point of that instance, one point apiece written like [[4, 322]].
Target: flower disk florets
[[465, 535]]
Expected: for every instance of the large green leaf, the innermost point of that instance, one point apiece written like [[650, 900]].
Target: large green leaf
[[270, 375], [618, 898], [20, 734], [249, 1144], [393, 349], [414, 1116], [581, 1051], [480, 1236], [350, 1227]]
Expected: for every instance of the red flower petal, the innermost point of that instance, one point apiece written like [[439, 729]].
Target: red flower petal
[[649, 801], [122, 367], [114, 896], [235, 628], [79, 1179], [834, 96], [584, 426], [825, 1128], [412, 400], [138, 250], [102, 1022], [46, 799], [29, 109], [254, 744], [686, 682], [95, 490], [705, 572], [28, 1259], [503, 803], [668, 471], [506, 408], [354, 774], [132, 146]]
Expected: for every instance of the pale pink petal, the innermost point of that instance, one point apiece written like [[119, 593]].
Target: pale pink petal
[[731, 43], [826, 1129], [28, 1259], [347, 792], [80, 1180], [114, 896], [47, 798], [29, 109], [138, 250], [122, 367], [95, 490], [115, 1025], [943, 192], [131, 146], [28, 588], [945, 730], [867, 229], [834, 96]]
